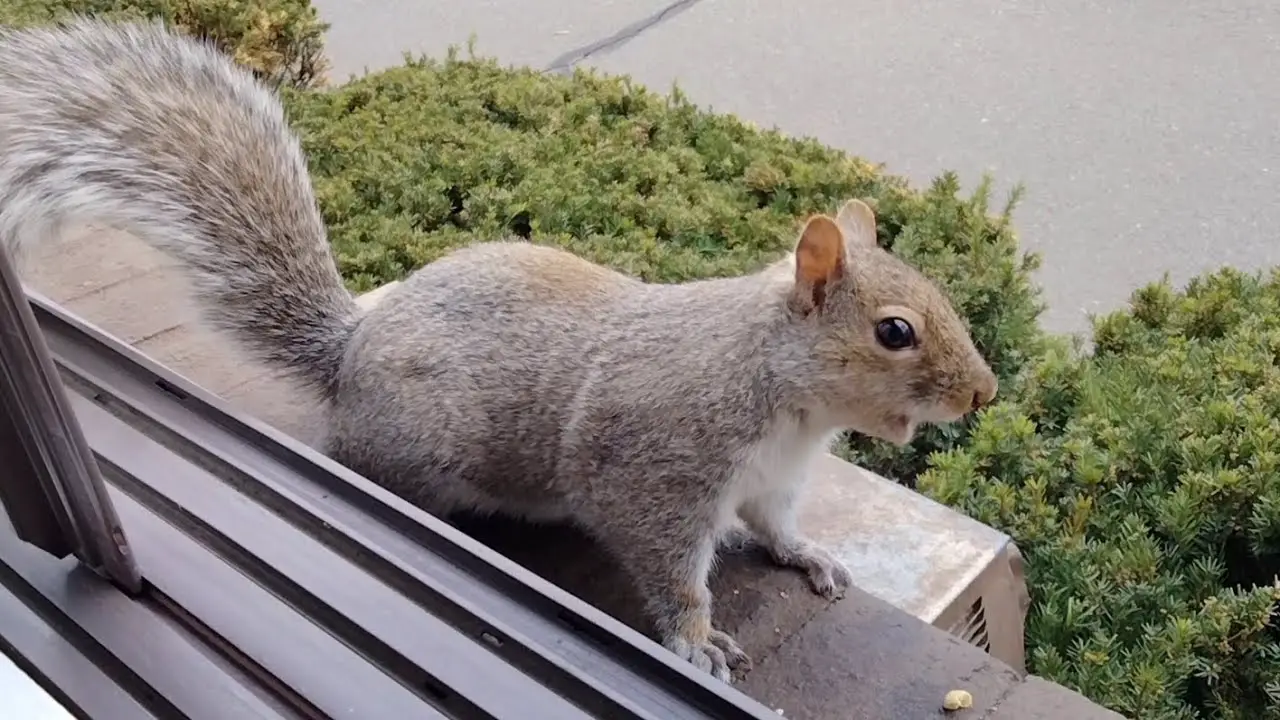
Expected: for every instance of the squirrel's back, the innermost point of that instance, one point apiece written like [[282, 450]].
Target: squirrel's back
[[162, 135]]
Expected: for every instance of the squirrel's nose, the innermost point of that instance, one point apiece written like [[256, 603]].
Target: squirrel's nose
[[985, 391]]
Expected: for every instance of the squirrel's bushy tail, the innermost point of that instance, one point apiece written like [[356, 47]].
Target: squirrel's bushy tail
[[161, 135]]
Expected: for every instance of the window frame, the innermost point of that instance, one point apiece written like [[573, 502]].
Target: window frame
[[55, 496]]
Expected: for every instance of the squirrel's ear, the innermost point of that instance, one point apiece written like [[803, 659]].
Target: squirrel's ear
[[858, 223], [819, 261]]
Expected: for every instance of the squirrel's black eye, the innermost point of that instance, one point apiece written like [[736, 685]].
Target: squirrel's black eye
[[895, 333]]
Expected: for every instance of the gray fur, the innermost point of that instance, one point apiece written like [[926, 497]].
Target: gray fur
[[506, 377], [99, 123]]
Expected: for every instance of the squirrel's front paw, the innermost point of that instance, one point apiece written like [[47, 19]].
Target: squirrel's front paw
[[719, 654], [829, 577]]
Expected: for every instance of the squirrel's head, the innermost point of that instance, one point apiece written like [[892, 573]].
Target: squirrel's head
[[888, 349]]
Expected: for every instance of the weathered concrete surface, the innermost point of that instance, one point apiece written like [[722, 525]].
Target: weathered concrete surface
[[1145, 132], [911, 552], [1038, 698]]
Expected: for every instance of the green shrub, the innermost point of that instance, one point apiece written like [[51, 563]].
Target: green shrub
[[416, 160], [1143, 483], [282, 41]]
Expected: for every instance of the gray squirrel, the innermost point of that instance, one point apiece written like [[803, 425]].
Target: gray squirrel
[[506, 377]]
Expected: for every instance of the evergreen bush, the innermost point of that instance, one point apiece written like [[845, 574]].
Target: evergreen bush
[[1142, 481], [282, 41]]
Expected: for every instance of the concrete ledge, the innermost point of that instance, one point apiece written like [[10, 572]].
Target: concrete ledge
[[1038, 698]]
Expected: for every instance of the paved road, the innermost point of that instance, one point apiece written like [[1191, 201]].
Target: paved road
[[1147, 132]]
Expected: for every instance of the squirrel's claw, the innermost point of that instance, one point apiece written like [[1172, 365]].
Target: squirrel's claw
[[831, 580], [828, 576], [735, 656], [718, 655]]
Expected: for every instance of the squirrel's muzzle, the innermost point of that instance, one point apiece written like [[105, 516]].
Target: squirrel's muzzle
[[985, 388]]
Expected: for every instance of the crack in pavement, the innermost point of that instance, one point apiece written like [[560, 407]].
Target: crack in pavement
[[564, 63]]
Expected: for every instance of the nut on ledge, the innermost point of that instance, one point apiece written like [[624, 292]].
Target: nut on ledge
[[957, 700]]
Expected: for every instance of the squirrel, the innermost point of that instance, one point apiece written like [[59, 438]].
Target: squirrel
[[506, 377]]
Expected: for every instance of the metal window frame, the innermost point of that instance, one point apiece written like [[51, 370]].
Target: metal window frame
[[55, 495], [279, 584]]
